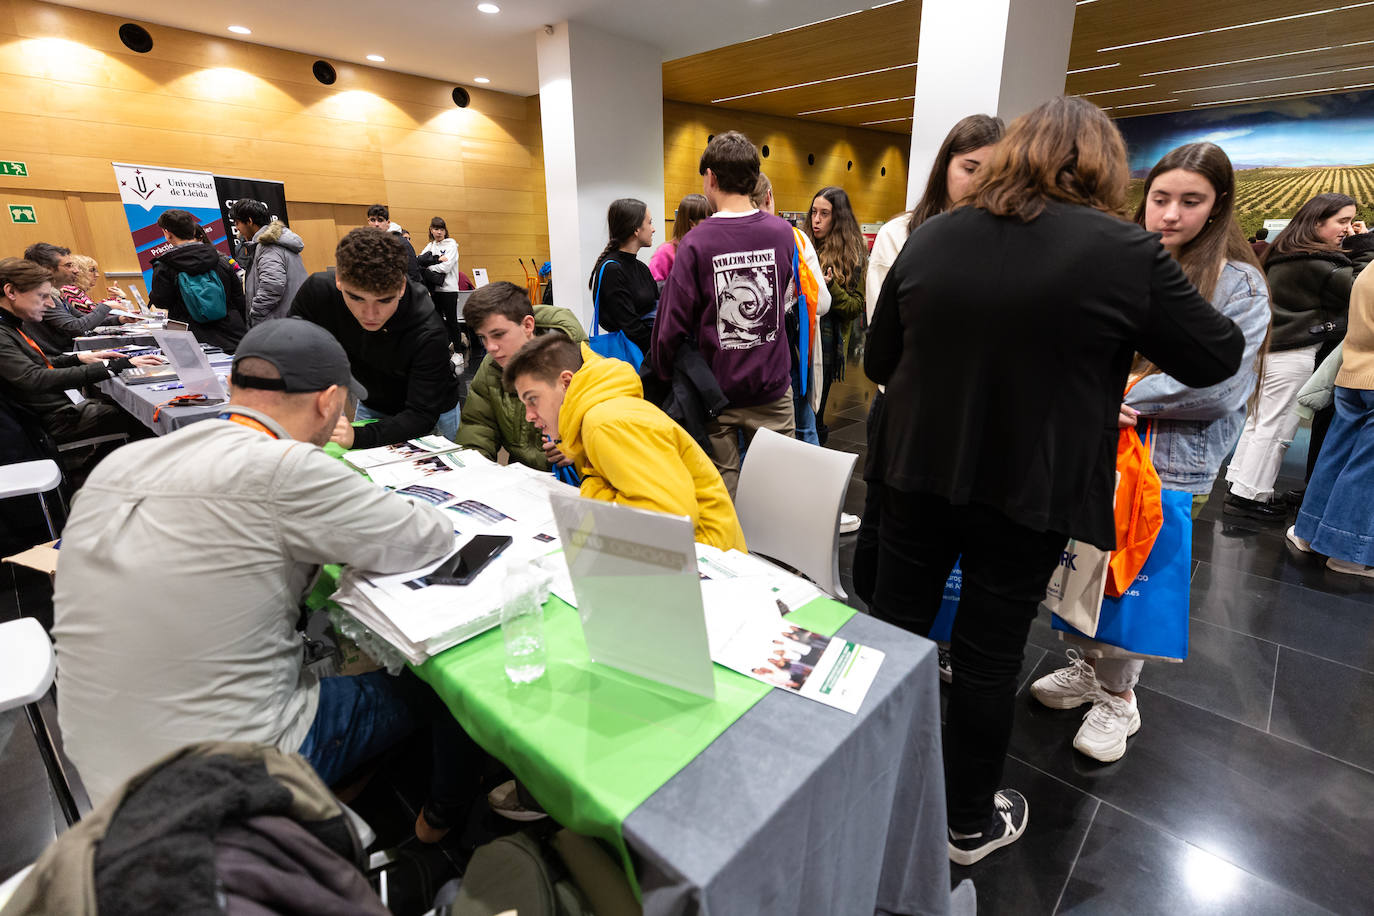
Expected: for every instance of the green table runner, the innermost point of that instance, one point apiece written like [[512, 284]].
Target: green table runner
[[590, 743]]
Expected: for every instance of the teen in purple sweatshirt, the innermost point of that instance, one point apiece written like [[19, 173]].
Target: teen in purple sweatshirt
[[729, 289]]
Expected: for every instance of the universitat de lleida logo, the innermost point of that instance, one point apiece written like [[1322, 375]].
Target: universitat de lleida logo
[[141, 185]]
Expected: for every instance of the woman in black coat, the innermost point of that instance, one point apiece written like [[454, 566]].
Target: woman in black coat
[[1004, 333]]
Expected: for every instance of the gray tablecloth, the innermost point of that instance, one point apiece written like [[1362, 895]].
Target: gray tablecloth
[[801, 808], [142, 402]]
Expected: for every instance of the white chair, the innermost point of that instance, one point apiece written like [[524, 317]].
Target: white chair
[[26, 478], [789, 498], [27, 666]]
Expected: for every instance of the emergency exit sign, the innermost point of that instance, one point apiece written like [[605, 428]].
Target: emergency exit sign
[[13, 169], [22, 213]]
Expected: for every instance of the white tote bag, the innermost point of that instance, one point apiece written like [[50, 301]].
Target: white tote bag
[[1076, 588]]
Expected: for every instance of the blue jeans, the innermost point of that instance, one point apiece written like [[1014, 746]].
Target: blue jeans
[[801, 408], [446, 425], [361, 716], [1337, 513]]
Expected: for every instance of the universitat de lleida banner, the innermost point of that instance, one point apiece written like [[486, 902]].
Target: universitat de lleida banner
[[148, 191]]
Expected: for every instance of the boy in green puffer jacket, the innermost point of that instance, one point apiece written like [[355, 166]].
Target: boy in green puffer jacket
[[503, 319]]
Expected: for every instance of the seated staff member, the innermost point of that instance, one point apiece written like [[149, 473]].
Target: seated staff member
[[395, 342], [190, 262], [493, 418], [626, 449], [37, 382], [156, 653], [60, 324]]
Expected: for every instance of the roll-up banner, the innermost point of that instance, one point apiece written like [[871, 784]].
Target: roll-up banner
[[148, 191], [231, 188]]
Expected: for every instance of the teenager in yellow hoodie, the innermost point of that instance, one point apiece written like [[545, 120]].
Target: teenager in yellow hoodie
[[626, 449]]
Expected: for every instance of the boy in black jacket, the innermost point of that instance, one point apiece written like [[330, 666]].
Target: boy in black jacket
[[395, 341]]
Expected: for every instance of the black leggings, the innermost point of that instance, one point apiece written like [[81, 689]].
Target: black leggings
[[446, 304], [1006, 567]]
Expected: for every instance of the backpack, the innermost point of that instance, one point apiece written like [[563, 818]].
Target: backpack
[[517, 872], [204, 296]]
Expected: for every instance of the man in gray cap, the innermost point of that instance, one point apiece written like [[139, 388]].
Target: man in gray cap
[[183, 567]]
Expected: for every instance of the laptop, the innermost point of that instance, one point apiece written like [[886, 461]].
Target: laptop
[[634, 573]]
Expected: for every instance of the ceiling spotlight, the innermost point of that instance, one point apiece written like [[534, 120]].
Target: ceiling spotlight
[[481, 79], [240, 30], [488, 8], [377, 57]]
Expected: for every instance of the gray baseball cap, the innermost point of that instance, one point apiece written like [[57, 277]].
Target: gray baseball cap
[[307, 357]]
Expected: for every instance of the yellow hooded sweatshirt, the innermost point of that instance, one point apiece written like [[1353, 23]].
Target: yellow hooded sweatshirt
[[630, 452]]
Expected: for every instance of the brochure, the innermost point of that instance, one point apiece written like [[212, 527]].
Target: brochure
[[367, 458], [751, 637], [400, 474]]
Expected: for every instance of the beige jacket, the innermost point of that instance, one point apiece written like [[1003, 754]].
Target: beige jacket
[[179, 585]]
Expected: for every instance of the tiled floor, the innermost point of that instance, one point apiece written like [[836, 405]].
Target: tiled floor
[[1249, 789]]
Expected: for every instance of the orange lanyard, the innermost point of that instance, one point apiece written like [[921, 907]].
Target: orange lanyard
[[47, 362], [249, 422]]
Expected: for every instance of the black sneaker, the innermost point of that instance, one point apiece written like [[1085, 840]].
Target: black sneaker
[[1293, 498], [1253, 508], [1009, 821], [946, 666]]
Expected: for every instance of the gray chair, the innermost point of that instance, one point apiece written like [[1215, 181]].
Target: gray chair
[[789, 498]]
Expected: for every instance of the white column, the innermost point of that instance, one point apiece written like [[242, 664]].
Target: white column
[[601, 107], [1000, 57]]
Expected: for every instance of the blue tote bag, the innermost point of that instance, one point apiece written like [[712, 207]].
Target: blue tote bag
[[614, 345], [1150, 620], [943, 627]]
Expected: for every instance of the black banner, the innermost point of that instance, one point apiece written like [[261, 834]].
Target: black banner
[[230, 189]]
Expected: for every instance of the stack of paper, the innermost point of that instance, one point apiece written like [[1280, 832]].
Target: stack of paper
[[481, 497], [421, 620]]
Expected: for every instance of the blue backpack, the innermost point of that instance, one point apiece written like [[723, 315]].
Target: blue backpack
[[204, 296]]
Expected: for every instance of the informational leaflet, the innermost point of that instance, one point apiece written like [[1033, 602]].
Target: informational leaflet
[[368, 458], [400, 474], [749, 635]]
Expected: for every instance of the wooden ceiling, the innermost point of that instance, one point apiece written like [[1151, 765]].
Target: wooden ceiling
[[857, 70]]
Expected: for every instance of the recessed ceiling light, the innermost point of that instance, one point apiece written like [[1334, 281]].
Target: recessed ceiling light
[[905, 98], [1284, 95], [240, 30], [1242, 25], [480, 79], [1139, 104], [1122, 89], [488, 8], [883, 121], [1090, 69], [1278, 79], [1248, 60], [377, 57], [829, 79]]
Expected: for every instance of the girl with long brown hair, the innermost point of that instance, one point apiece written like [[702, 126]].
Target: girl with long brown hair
[[844, 255], [693, 209], [1190, 201], [1004, 334], [952, 175], [1309, 281]]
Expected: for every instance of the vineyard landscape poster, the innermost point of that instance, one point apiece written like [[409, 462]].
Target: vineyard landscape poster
[[1285, 151]]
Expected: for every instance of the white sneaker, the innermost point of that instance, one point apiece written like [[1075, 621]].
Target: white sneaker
[[849, 523], [1350, 569], [1304, 546], [1105, 728], [1068, 687]]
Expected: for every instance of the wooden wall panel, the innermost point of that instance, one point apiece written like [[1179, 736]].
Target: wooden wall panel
[[875, 196], [73, 99]]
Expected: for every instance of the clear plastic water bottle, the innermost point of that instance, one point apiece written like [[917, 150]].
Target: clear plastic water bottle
[[522, 625]]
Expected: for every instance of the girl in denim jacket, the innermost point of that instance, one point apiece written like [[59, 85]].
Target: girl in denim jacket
[[1189, 200]]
